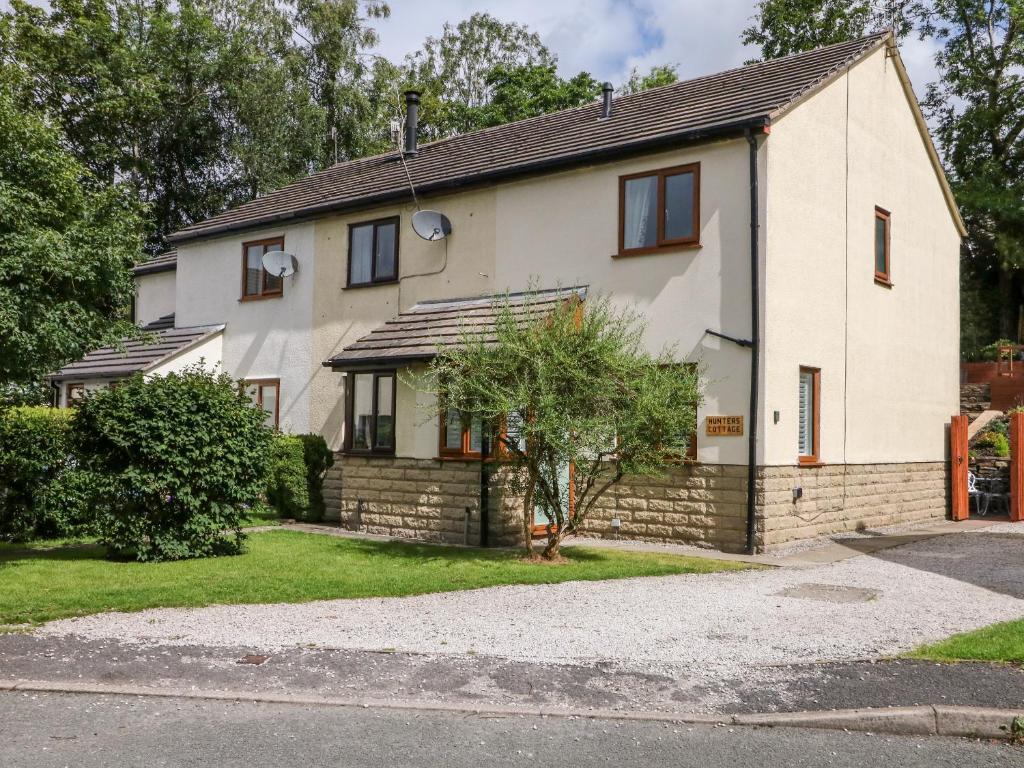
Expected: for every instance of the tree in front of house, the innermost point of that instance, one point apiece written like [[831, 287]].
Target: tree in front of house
[[577, 402], [66, 251], [657, 76]]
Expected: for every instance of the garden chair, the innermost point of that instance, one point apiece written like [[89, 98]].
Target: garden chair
[[980, 497], [998, 497]]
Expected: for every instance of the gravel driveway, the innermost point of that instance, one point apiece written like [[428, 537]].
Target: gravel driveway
[[867, 606]]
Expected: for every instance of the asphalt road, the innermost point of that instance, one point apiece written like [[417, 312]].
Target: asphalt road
[[43, 730]]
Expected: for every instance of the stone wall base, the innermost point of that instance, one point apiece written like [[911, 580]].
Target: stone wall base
[[700, 504]]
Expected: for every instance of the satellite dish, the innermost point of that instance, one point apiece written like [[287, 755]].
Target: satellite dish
[[279, 263], [431, 225]]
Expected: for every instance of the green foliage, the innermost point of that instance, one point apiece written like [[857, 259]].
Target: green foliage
[[296, 478], [287, 487], [781, 27], [996, 441], [65, 252], [990, 352], [657, 76], [979, 317], [318, 459], [528, 91], [34, 465], [575, 387], [176, 460]]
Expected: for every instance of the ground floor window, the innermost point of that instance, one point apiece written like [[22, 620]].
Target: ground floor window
[[461, 435], [266, 394], [76, 393], [370, 412], [809, 414]]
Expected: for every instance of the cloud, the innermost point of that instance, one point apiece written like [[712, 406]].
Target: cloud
[[609, 37]]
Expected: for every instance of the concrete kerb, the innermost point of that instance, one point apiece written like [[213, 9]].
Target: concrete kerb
[[938, 720]]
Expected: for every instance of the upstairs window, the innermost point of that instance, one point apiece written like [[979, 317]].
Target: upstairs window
[[659, 209], [882, 224], [373, 252], [257, 283], [809, 414], [370, 413], [266, 395]]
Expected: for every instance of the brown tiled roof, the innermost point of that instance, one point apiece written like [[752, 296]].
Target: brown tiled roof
[[715, 105], [418, 333], [162, 340], [165, 262]]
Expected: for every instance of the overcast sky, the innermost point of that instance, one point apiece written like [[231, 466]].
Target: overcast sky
[[608, 37]]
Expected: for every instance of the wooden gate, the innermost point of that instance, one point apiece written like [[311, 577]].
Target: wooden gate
[[960, 506], [1016, 466]]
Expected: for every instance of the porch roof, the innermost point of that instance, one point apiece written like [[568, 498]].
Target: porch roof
[[159, 341], [420, 332]]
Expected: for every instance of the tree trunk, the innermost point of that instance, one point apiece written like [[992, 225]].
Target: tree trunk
[[1008, 304], [528, 518]]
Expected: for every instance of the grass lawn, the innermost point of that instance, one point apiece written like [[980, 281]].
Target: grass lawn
[[39, 583], [999, 642]]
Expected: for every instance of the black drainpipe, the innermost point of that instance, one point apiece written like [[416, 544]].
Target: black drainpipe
[[755, 345], [485, 490]]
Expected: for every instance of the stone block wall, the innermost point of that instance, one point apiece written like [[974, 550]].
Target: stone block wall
[[411, 498], [849, 497], [701, 504]]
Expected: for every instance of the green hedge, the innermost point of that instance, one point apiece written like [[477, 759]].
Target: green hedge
[[296, 478], [41, 494], [175, 461]]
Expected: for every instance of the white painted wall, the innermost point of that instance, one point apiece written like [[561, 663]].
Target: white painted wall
[[888, 356], [154, 296], [207, 352], [268, 338]]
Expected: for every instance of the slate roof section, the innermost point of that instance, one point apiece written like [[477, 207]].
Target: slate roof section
[[715, 105], [418, 333], [137, 354], [165, 262]]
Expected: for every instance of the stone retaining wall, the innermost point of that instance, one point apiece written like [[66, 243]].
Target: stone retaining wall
[[701, 504], [849, 497]]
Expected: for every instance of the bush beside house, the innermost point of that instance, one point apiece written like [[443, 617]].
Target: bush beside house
[[175, 461], [295, 482], [40, 491]]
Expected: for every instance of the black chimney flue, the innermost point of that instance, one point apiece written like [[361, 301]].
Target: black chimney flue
[[606, 99], [412, 119]]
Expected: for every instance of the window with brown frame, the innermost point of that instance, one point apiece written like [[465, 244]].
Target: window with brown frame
[[266, 395], [461, 437], [373, 252], [76, 393], [370, 412], [257, 283], [883, 223], [659, 209], [809, 415]]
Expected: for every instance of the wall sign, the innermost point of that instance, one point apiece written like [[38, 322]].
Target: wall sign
[[724, 426]]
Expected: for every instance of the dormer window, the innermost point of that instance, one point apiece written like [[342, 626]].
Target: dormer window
[[373, 252], [659, 210], [257, 283]]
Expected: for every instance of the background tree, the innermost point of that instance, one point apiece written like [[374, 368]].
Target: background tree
[[573, 387], [977, 113], [658, 75], [527, 91], [66, 249], [452, 70]]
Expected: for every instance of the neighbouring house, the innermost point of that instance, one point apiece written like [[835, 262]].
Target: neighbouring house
[[787, 224]]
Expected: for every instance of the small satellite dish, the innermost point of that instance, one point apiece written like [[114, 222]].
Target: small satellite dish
[[280, 263], [431, 225]]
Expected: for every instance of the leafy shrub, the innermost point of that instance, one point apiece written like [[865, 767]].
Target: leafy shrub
[[287, 490], [996, 442], [999, 426], [990, 352], [39, 488], [319, 458], [296, 478], [175, 461]]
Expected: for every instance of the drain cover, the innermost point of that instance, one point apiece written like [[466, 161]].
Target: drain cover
[[252, 658], [829, 593]]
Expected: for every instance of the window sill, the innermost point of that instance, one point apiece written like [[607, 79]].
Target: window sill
[[810, 462], [884, 282], [263, 297], [372, 285], [369, 454], [464, 459], [672, 248]]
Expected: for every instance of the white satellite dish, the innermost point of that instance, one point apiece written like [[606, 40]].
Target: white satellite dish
[[280, 263], [431, 225]]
